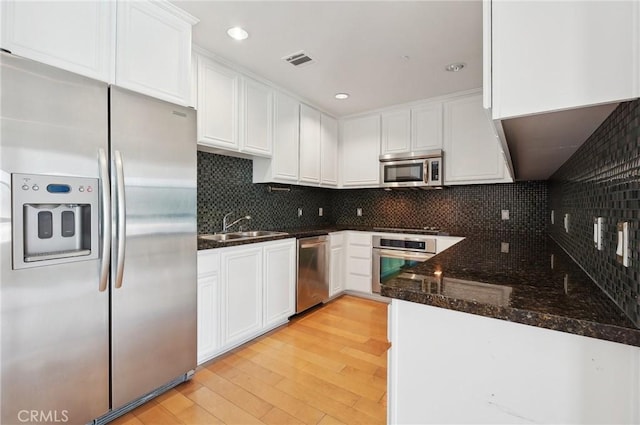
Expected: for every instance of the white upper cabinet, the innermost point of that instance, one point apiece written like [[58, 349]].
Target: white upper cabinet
[[153, 53], [472, 150], [309, 145], [283, 166], [256, 135], [549, 56], [76, 36], [426, 126], [418, 128], [218, 94], [141, 45], [235, 112], [360, 148], [396, 131], [328, 151]]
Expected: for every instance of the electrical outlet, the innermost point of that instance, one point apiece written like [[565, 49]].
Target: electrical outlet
[[622, 248], [504, 247], [299, 212], [597, 233], [359, 212], [320, 212], [505, 214]]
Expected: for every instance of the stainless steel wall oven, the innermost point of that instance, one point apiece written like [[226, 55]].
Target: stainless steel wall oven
[[393, 255]]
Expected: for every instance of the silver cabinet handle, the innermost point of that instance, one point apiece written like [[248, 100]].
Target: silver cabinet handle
[[121, 218], [106, 219]]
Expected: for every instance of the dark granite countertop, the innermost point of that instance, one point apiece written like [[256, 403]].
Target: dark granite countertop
[[535, 283], [307, 232]]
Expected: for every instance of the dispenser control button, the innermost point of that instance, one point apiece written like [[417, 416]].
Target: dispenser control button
[[89, 189], [35, 187], [25, 187], [81, 189]]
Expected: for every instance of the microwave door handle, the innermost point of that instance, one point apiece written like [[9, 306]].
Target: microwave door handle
[[105, 192], [427, 171]]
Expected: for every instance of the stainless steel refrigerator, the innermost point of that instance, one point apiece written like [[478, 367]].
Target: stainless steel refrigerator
[[97, 246]]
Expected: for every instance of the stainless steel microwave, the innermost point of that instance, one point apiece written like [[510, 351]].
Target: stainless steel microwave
[[412, 169]]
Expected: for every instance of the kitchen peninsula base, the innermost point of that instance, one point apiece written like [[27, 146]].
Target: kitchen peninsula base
[[447, 366]]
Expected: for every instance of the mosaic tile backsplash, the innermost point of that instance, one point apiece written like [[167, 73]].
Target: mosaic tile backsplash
[[460, 210], [225, 185], [602, 179]]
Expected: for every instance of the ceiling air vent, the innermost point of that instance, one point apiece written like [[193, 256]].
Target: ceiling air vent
[[299, 59]]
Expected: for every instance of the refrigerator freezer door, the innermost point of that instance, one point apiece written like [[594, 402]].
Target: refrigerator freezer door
[[153, 319], [54, 319]]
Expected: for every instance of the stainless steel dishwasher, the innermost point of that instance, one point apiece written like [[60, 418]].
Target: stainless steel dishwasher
[[313, 272]]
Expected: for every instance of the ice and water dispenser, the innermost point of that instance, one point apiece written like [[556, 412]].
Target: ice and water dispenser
[[55, 219]]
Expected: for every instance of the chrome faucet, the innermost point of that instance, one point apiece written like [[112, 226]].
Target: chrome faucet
[[225, 225]]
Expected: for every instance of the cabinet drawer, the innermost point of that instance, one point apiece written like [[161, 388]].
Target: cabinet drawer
[[358, 283], [336, 239], [358, 238], [357, 251], [359, 266], [208, 262]]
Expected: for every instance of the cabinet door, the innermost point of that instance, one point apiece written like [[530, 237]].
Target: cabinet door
[[76, 36], [426, 127], [257, 122], [279, 282], [217, 105], [309, 144], [396, 132], [286, 137], [208, 319], [329, 151], [472, 151], [153, 52], [361, 151], [549, 56], [336, 276], [241, 293]]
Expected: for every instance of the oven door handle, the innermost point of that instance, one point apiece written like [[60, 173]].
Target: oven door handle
[[403, 254]]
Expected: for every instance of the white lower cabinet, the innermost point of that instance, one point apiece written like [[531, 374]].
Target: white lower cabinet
[[279, 282], [503, 372], [243, 291], [358, 267], [208, 301], [336, 263]]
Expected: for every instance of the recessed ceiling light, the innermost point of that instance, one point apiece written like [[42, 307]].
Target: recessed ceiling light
[[342, 96], [455, 67], [237, 33]]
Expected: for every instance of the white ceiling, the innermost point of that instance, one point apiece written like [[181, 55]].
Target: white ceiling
[[358, 47]]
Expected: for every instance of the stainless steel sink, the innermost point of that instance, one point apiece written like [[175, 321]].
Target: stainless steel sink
[[240, 236]]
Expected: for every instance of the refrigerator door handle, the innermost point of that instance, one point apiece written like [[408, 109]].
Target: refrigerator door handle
[[121, 219], [106, 219]]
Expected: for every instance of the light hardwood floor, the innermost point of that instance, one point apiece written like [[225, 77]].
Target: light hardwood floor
[[327, 367]]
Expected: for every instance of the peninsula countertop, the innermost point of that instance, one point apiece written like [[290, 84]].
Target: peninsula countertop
[[520, 277]]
